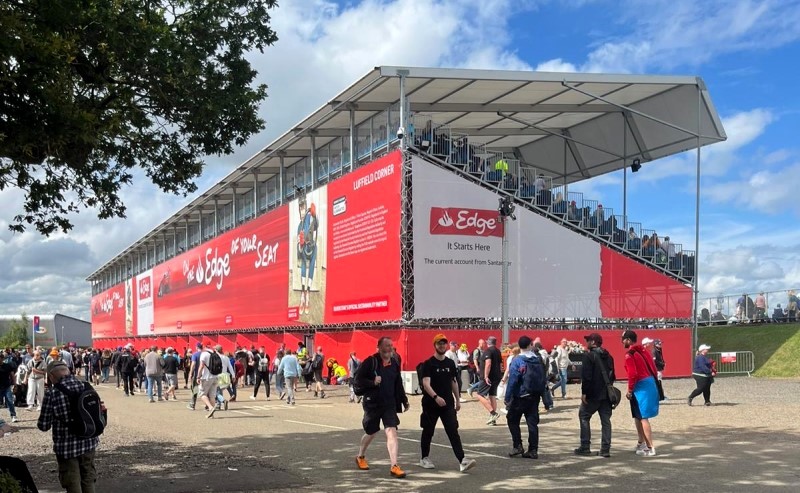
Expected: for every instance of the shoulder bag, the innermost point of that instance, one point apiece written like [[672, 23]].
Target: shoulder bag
[[614, 394]]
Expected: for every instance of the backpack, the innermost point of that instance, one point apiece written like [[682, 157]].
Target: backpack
[[534, 377], [419, 367], [86, 416], [358, 389], [263, 364], [214, 363], [316, 363]]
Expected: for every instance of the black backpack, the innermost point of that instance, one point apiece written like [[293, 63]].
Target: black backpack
[[358, 389], [86, 417], [316, 363], [214, 363]]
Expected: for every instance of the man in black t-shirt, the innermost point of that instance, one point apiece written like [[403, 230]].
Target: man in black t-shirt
[[440, 399], [492, 374]]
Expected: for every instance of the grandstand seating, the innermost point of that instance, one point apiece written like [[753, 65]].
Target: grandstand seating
[[546, 196]]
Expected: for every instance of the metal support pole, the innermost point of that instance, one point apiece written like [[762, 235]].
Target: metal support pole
[[504, 283], [403, 106], [353, 135], [200, 226], [216, 215], [566, 186], [311, 135], [186, 236], [233, 206], [281, 177], [624, 173], [696, 224], [256, 209]]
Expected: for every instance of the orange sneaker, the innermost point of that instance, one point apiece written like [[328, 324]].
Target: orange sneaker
[[396, 472], [361, 462]]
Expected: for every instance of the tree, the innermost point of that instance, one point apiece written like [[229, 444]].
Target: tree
[[91, 89], [17, 335]]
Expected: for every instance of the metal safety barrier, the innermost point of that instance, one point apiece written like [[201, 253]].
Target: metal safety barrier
[[734, 362]]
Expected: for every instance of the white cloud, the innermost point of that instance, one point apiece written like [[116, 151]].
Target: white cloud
[[667, 34], [322, 48]]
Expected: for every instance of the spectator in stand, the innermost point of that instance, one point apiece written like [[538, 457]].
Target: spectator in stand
[[559, 205], [778, 315], [540, 183], [667, 247], [792, 307], [761, 307], [573, 214], [703, 373], [741, 303]]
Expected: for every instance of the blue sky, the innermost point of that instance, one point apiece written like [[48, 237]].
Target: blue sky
[[746, 51]]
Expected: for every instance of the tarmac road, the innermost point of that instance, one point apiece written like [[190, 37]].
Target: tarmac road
[[747, 442]]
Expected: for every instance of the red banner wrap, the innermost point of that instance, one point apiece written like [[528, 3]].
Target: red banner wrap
[[629, 289], [108, 312], [235, 280], [363, 277]]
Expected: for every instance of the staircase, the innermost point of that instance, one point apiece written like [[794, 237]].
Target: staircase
[[545, 196]]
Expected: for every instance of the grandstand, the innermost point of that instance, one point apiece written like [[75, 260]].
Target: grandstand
[[529, 136]]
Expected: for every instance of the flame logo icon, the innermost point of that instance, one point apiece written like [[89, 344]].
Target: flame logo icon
[[445, 220]]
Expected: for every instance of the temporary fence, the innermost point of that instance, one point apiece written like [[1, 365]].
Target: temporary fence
[[734, 362]]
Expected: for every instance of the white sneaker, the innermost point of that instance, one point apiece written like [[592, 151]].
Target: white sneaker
[[651, 452], [252, 397], [643, 452], [14, 419], [466, 464], [462, 400], [640, 446], [504, 411], [426, 463]]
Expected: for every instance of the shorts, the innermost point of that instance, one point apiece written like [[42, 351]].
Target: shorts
[[374, 416], [486, 390], [318, 376], [172, 379], [635, 412], [208, 388]]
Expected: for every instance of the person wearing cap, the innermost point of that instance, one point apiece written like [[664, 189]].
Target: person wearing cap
[[383, 398], [594, 395], [642, 391], [702, 371], [519, 404], [74, 455], [491, 360], [440, 400]]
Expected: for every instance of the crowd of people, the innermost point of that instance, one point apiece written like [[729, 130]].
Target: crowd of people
[[751, 309], [515, 381]]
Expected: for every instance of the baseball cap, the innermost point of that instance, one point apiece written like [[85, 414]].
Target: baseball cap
[[595, 337], [647, 340], [703, 347], [438, 338], [55, 364], [524, 342]]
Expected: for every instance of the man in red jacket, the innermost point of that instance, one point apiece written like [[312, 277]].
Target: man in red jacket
[[642, 391]]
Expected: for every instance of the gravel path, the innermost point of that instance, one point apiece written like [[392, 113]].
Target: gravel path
[[268, 446]]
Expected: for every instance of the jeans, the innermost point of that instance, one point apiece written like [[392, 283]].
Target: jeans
[[547, 400], [585, 413], [261, 377], [77, 475], [562, 383], [430, 415], [8, 394], [104, 373], [280, 384], [151, 381], [703, 387], [528, 407], [290, 383]]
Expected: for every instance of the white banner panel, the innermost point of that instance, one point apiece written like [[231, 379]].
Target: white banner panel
[[554, 272], [144, 302]]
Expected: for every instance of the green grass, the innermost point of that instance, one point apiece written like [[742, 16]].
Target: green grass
[[776, 347]]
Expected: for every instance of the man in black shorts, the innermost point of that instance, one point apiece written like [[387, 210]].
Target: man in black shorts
[[492, 374], [383, 399], [440, 399]]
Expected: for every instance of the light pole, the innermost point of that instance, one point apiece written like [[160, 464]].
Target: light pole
[[506, 210]]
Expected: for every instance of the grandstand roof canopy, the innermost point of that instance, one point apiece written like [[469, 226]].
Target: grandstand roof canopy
[[568, 125]]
